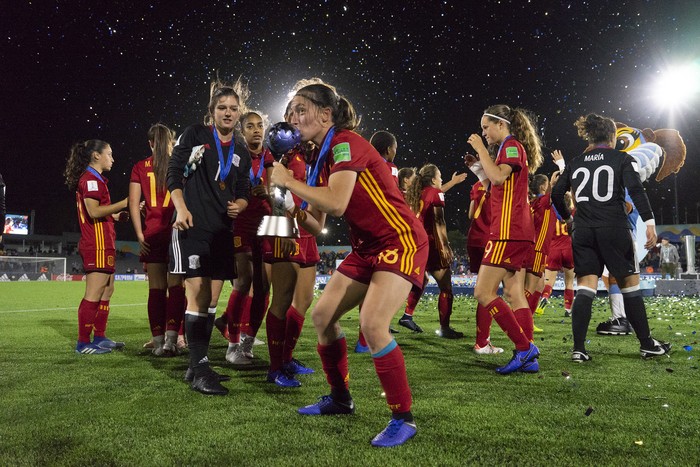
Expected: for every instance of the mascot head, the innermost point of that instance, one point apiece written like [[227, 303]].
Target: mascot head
[[651, 148]]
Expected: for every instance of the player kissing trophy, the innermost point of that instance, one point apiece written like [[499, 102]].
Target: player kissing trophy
[[280, 139]]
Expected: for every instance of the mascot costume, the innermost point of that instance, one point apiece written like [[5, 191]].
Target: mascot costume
[[655, 151]]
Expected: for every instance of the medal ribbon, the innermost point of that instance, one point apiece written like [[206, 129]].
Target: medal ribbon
[[224, 169], [312, 174], [256, 180], [95, 173]]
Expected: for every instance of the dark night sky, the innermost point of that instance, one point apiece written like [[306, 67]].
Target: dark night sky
[[424, 70]]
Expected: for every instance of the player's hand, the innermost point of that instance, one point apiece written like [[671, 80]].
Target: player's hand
[[259, 191], [553, 179], [557, 155], [470, 159], [458, 178], [446, 254], [477, 143], [183, 220], [651, 237], [288, 246], [233, 209], [281, 175], [145, 247]]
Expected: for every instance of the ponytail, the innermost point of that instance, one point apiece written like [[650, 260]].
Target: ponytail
[[161, 137], [424, 178]]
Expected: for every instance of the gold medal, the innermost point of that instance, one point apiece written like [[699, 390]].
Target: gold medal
[[222, 186]]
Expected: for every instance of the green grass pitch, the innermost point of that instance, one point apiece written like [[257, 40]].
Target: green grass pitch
[[130, 408]]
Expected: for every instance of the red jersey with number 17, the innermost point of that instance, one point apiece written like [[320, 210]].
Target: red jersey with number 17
[[95, 234], [510, 209], [159, 208], [430, 198], [544, 220], [377, 213], [478, 234]]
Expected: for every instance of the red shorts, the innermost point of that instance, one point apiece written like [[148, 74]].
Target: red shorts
[[98, 260], [360, 265], [245, 241], [476, 254], [507, 254], [560, 258], [435, 261], [536, 263], [160, 248], [306, 253]]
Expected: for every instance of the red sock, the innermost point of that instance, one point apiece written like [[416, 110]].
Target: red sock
[[413, 298], [234, 311], [157, 304], [334, 358], [547, 291], [245, 317], [86, 319], [175, 308], [568, 298], [445, 307], [533, 299], [483, 326], [292, 331], [275, 340], [361, 339], [505, 318], [391, 370], [101, 318], [258, 308], [524, 318]]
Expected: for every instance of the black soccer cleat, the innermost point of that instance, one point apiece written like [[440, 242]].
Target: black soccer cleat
[[659, 348], [615, 327], [189, 376], [209, 385], [410, 324]]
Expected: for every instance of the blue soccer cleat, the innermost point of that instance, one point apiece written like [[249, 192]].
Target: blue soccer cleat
[[396, 433], [107, 343], [89, 348], [282, 380], [359, 348], [520, 358], [295, 367], [327, 406], [532, 366]]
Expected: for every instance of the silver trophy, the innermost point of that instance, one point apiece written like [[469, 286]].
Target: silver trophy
[[280, 139]]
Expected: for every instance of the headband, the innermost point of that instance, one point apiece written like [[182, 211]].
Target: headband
[[497, 117]]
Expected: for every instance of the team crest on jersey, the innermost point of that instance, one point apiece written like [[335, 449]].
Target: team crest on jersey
[[341, 153], [511, 152], [194, 261], [92, 185], [110, 261]]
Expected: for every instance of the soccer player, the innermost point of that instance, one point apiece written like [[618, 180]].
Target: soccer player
[[84, 173], [544, 220], [477, 238], [350, 179], [511, 231], [166, 295], [602, 233], [202, 248], [427, 201], [247, 246]]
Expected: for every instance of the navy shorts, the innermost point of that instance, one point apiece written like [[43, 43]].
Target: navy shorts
[[198, 253], [604, 246]]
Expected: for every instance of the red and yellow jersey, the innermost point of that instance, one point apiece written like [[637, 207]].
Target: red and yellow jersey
[[250, 218], [430, 198], [510, 209], [297, 165], [95, 234], [377, 213], [159, 208], [478, 234], [544, 220], [561, 238]]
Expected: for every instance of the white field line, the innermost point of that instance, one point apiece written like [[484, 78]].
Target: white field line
[[73, 308]]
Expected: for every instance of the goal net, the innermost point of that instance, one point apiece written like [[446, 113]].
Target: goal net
[[32, 268]]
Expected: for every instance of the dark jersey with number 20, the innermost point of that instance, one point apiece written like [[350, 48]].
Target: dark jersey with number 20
[[598, 179]]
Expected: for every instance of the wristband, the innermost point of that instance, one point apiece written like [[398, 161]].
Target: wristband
[[651, 222]]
